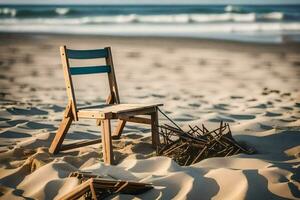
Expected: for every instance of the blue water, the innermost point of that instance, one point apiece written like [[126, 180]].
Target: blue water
[[244, 23]]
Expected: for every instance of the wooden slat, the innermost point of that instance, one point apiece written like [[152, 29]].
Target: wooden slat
[[132, 112], [110, 111], [133, 188], [79, 144], [89, 70], [137, 109], [87, 54], [78, 191], [94, 114], [106, 142], [140, 120], [118, 108], [115, 186]]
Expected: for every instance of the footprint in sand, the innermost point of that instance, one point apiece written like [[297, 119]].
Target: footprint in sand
[[242, 117], [290, 119], [13, 134], [29, 111], [197, 96], [265, 127], [236, 97], [272, 114], [297, 105], [176, 98], [219, 119], [221, 106], [36, 125], [158, 95], [262, 105], [287, 108], [184, 119], [285, 94], [11, 123]]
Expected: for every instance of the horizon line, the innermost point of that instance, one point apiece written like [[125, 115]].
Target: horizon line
[[154, 4]]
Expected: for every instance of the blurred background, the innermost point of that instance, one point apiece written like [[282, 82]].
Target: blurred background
[[268, 21]]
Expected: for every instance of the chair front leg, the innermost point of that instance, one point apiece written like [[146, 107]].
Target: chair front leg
[[106, 142], [62, 131]]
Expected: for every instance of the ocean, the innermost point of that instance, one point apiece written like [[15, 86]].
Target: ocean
[[248, 23]]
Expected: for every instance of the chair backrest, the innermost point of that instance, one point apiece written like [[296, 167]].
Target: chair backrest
[[69, 71]]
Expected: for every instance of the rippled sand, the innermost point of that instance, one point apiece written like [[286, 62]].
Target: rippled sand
[[255, 88]]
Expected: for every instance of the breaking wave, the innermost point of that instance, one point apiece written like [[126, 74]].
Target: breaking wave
[[30, 13], [137, 20], [133, 18]]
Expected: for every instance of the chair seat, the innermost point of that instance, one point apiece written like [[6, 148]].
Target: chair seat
[[106, 111]]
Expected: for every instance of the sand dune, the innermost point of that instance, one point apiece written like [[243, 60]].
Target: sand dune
[[255, 88]]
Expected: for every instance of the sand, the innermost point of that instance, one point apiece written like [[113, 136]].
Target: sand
[[253, 87]]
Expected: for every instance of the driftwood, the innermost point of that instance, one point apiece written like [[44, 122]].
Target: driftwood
[[198, 143], [94, 187]]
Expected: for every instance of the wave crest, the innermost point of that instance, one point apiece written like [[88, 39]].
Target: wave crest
[[135, 18], [231, 8], [11, 12], [62, 11], [182, 18], [33, 13]]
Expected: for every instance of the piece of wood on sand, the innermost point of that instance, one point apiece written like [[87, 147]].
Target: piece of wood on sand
[[99, 188]]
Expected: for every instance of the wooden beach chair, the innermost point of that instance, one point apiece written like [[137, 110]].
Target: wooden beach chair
[[103, 114]]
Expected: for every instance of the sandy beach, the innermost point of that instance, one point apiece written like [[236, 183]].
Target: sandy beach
[[253, 87]]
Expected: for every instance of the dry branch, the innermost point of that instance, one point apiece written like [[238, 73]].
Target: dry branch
[[196, 144]]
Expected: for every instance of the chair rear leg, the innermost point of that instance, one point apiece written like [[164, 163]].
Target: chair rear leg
[[106, 142], [154, 130], [62, 131], [119, 129]]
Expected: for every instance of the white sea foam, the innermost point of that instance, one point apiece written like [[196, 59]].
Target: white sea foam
[[223, 17], [181, 25], [255, 32], [8, 12], [273, 16], [179, 18], [231, 8], [137, 29], [150, 19], [62, 11]]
